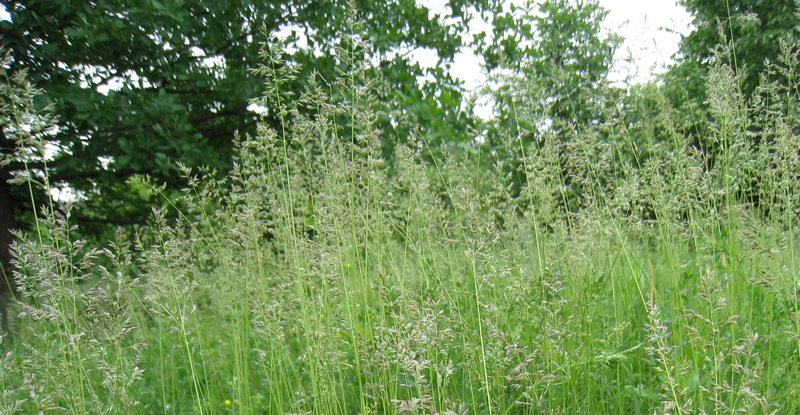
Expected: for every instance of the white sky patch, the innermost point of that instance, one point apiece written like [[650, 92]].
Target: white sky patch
[[466, 66], [295, 37], [652, 30]]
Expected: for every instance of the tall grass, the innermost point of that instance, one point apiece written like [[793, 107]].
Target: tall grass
[[613, 269]]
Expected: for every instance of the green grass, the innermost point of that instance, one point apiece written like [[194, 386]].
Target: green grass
[[617, 277]]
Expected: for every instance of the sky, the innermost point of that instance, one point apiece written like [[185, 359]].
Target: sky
[[652, 30]]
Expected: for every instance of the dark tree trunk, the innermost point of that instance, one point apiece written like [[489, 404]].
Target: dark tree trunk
[[7, 224]]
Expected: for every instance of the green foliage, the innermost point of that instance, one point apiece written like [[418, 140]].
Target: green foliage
[[754, 30], [560, 50], [141, 85], [551, 86], [745, 35]]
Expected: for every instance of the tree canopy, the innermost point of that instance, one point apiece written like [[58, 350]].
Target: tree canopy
[[139, 85], [744, 34]]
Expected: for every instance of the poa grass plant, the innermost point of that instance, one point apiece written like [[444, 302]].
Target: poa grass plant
[[610, 269]]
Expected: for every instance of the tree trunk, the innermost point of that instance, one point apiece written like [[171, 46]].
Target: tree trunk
[[7, 224]]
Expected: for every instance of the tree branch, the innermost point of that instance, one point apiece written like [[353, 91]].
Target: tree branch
[[212, 115], [108, 221], [94, 174]]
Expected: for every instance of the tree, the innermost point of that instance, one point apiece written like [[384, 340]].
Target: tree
[[552, 60], [751, 31], [560, 48], [754, 29], [139, 85], [749, 37]]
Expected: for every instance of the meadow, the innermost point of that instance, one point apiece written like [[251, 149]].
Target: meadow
[[615, 268]]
